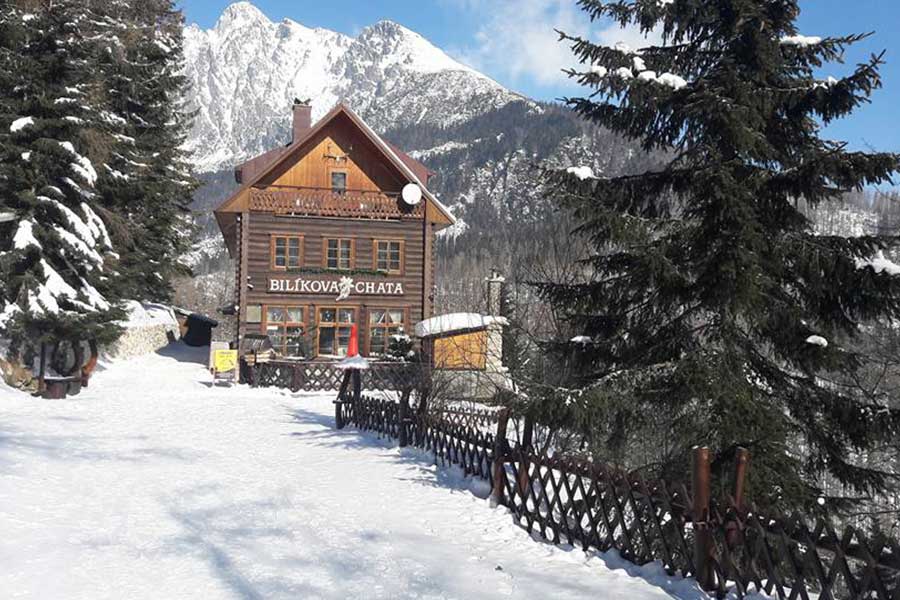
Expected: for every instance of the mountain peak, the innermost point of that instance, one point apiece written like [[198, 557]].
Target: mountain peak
[[241, 13], [246, 71], [405, 46]]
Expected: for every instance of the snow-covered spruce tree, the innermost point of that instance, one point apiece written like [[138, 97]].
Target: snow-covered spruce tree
[[56, 280], [145, 182], [711, 302]]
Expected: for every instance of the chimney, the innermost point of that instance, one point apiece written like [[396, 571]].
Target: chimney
[[302, 113], [494, 292]]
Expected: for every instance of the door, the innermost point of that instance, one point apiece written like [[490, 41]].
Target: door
[[334, 323]]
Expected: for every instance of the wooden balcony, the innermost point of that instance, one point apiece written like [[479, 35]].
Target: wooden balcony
[[318, 202]]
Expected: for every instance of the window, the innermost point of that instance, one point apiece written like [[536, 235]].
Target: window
[[285, 326], [254, 313], [338, 253], [287, 252], [383, 323], [334, 330], [388, 256], [339, 182]]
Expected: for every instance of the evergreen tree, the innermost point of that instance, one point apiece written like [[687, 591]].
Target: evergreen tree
[[91, 126], [709, 299], [56, 280], [400, 346], [145, 181]]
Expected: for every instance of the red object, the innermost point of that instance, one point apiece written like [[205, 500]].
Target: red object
[[353, 349]]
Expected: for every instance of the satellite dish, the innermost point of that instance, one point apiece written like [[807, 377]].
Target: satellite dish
[[412, 194]]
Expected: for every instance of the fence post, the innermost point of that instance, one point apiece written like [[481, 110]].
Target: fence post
[[357, 385], [741, 464], [295, 379], [527, 436], [421, 411], [732, 534], [43, 368], [339, 403], [402, 417], [702, 539], [500, 446]]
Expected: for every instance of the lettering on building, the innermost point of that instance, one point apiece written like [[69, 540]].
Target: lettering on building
[[341, 288]]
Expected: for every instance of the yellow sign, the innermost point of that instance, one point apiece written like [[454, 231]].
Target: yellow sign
[[224, 360]]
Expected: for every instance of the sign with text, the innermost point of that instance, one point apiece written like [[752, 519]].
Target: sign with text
[[224, 361], [341, 288]]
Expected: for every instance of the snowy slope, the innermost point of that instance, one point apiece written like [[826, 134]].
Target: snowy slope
[[153, 484], [246, 71]]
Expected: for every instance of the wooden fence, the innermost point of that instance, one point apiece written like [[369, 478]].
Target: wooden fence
[[723, 543], [321, 375]]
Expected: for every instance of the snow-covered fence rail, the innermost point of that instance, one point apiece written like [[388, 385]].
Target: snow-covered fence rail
[[725, 543]]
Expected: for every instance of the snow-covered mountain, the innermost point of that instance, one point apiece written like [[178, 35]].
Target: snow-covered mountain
[[247, 70], [481, 139]]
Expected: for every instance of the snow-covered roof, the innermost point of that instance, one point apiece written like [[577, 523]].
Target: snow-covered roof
[[454, 322]]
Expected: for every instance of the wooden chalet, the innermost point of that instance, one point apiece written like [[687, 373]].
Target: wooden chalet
[[335, 229]]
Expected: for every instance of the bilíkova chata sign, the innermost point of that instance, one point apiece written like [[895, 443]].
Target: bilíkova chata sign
[[341, 288]]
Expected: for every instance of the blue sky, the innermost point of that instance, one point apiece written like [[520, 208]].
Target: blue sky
[[513, 42]]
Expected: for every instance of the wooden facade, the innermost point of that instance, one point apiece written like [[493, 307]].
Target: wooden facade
[[466, 351], [322, 239]]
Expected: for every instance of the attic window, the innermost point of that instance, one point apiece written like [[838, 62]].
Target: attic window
[[338, 182]]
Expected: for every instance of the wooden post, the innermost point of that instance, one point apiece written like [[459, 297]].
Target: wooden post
[[527, 437], [421, 411], [357, 385], [500, 448], [741, 464], [78, 351], [403, 417], [42, 386], [732, 533], [91, 364], [700, 480], [339, 403], [295, 379]]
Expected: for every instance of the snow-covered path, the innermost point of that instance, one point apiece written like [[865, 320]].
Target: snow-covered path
[[153, 484]]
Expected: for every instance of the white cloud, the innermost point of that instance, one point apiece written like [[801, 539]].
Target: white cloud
[[516, 41]]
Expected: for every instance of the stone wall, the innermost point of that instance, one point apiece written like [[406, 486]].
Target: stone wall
[[142, 340]]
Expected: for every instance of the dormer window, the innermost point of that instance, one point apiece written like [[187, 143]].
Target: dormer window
[[338, 181]]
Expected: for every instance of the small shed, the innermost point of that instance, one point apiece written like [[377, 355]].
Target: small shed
[[466, 351], [463, 341]]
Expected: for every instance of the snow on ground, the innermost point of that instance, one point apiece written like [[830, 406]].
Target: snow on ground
[[153, 483]]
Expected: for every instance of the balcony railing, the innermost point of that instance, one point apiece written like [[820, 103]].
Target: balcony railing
[[320, 202]]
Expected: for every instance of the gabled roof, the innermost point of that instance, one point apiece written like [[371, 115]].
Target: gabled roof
[[412, 170]]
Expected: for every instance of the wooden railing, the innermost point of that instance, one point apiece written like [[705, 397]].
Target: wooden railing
[[320, 202], [728, 545]]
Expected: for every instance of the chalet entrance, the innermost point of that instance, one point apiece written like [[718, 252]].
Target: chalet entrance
[[333, 324]]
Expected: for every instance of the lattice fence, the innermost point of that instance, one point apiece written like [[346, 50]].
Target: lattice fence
[[598, 507], [319, 376]]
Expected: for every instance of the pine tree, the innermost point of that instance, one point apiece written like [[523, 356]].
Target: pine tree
[[92, 171], [145, 181], [56, 280], [709, 300], [400, 346]]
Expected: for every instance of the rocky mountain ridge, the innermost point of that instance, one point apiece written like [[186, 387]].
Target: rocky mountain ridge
[[485, 142], [246, 71]]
